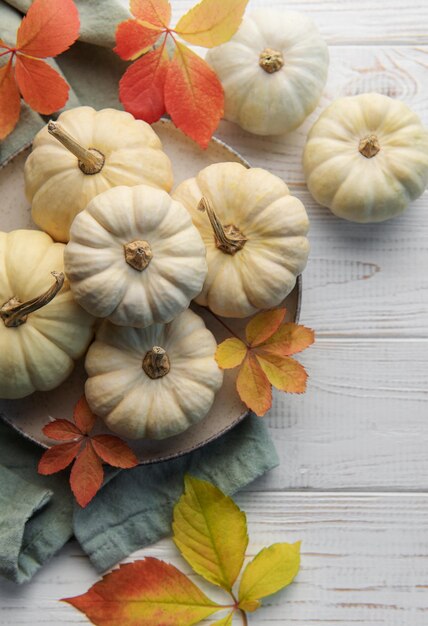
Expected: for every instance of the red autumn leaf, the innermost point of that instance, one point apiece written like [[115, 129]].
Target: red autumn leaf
[[149, 592], [263, 326], [40, 85], [49, 28], [86, 475], [114, 451], [83, 416], [134, 38], [141, 88], [194, 97], [10, 103], [58, 457], [62, 430], [156, 12], [253, 386]]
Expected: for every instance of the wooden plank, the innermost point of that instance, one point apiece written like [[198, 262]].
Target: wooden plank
[[347, 21], [364, 561], [396, 72], [362, 423], [366, 280]]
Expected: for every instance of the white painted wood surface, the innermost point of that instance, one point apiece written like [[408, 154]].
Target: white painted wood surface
[[354, 449]]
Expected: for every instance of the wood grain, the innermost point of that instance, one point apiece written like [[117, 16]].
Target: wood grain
[[344, 22], [364, 561]]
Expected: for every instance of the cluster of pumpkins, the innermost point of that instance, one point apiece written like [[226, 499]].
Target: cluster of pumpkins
[[366, 157], [125, 252], [232, 238]]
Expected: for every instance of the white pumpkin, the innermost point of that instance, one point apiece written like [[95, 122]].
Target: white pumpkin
[[255, 235], [366, 158], [153, 382], [85, 153], [135, 257], [42, 329], [273, 71]]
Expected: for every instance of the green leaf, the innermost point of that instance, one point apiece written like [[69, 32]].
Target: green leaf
[[211, 532], [271, 569]]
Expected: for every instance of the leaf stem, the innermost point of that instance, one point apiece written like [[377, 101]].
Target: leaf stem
[[244, 617]]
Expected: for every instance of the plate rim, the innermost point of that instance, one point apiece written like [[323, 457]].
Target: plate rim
[[174, 455]]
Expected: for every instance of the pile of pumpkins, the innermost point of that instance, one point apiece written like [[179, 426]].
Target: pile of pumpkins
[[124, 251]]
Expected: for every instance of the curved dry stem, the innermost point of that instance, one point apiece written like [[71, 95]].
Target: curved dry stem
[[14, 313], [91, 161], [229, 239]]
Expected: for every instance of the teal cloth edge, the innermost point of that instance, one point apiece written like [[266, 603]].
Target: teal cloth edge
[[109, 529]]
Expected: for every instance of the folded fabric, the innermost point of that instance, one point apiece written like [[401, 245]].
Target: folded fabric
[[132, 510], [134, 507]]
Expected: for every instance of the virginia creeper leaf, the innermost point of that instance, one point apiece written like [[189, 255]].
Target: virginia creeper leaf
[[289, 339], [263, 325], [230, 353], [157, 13], [114, 451], [211, 532], [145, 593], [141, 88], [253, 386], [194, 96], [58, 457], [86, 475], [271, 569], [49, 28], [10, 102], [284, 373], [40, 85], [83, 416], [211, 23], [62, 430], [133, 39]]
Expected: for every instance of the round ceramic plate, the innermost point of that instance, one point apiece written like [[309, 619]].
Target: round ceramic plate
[[30, 414]]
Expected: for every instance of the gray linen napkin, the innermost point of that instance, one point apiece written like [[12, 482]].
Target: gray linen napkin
[[134, 507]]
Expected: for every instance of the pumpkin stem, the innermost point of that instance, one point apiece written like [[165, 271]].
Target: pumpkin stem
[[138, 254], [156, 363], [271, 60], [228, 239], [90, 161], [369, 146], [14, 313]]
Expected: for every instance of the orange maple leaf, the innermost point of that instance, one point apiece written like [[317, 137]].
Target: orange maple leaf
[[88, 453], [265, 358], [184, 86], [48, 29]]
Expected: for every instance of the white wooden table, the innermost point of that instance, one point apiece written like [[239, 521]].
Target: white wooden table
[[354, 450]]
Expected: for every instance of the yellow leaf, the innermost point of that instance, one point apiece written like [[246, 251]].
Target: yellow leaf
[[263, 325], [288, 339], [211, 23], [271, 569], [226, 621], [211, 532], [253, 386], [284, 373], [230, 353]]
